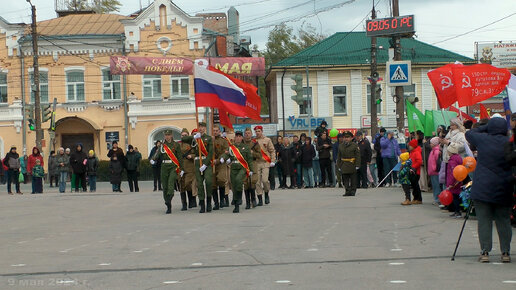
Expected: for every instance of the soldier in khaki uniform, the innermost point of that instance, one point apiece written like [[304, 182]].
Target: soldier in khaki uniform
[[250, 181], [348, 162], [267, 160], [239, 153], [187, 179], [171, 168], [220, 156]]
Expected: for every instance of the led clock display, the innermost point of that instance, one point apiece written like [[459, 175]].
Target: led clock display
[[390, 26]]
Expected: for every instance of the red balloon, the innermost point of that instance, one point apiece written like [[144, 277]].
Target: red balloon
[[470, 163], [460, 172], [446, 197]]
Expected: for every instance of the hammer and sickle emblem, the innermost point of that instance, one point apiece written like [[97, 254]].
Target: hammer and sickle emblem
[[446, 82], [466, 81]]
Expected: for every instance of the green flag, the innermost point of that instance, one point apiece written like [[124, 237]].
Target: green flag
[[443, 117], [430, 127], [416, 119]]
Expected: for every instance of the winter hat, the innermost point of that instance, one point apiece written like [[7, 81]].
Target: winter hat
[[382, 129], [434, 141], [91, 152], [404, 156], [459, 124], [413, 143], [496, 115]]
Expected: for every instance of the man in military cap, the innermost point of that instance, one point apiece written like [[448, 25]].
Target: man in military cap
[[267, 159], [241, 162], [171, 168], [203, 165], [250, 181], [187, 152], [348, 162], [220, 155]]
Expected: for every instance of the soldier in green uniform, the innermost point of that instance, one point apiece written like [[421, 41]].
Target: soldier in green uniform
[[250, 181], [203, 165], [187, 152], [348, 162], [172, 157], [220, 155], [238, 171]]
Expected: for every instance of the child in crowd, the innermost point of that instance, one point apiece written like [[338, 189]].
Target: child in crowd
[[91, 167], [434, 165], [404, 176], [115, 168], [451, 183], [37, 176]]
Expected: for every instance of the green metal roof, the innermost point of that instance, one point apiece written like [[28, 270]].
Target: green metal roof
[[354, 48]]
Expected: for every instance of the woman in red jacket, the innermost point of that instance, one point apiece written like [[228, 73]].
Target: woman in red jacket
[[417, 160], [36, 155]]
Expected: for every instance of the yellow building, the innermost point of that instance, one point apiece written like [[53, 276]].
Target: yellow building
[[93, 106]]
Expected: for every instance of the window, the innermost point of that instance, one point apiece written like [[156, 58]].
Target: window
[[180, 86], [151, 86], [43, 87], [304, 109], [110, 85], [3, 88], [409, 91], [378, 96], [75, 86], [339, 100]]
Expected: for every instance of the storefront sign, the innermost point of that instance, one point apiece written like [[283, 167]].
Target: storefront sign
[[112, 136], [303, 123], [268, 129], [236, 66], [499, 54]]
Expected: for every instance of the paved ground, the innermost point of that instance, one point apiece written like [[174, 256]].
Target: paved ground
[[305, 239]]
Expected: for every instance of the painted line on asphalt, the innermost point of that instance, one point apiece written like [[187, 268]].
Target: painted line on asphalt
[[137, 251], [509, 282], [396, 264], [104, 264], [222, 251], [172, 282], [103, 241], [283, 281], [312, 250], [497, 263], [66, 281], [39, 239], [242, 242], [18, 265], [398, 281], [396, 250], [165, 241], [196, 264], [22, 242]]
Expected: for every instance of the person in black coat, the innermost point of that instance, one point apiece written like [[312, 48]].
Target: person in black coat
[[78, 160], [324, 146], [307, 155], [115, 169], [296, 143], [492, 190], [287, 157], [156, 166], [12, 162], [279, 171], [365, 159], [378, 149]]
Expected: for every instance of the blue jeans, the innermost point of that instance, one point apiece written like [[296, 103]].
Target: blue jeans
[[93, 182], [373, 169], [388, 165], [299, 175], [436, 186], [317, 171], [308, 175], [63, 176]]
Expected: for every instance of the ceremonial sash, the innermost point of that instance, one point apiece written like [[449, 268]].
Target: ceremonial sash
[[204, 151], [264, 155], [172, 157], [239, 157]]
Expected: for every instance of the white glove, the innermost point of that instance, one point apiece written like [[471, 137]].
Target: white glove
[[224, 134], [228, 161], [181, 173], [203, 167], [250, 173], [221, 160], [152, 162], [272, 164], [197, 135]]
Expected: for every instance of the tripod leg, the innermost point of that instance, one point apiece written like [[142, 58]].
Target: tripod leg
[[462, 230]]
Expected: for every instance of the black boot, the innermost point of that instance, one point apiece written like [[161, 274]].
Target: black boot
[[169, 207], [215, 199], [194, 201], [191, 201], [260, 200], [226, 200], [253, 197], [247, 199], [183, 201], [222, 195], [208, 204], [203, 209], [236, 208], [267, 201]]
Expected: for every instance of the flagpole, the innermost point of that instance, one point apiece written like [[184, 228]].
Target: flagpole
[[212, 125], [198, 146]]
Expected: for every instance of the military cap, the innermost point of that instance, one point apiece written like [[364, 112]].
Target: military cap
[[258, 128], [202, 124], [359, 133], [168, 132], [195, 131], [185, 131], [239, 133], [348, 134]]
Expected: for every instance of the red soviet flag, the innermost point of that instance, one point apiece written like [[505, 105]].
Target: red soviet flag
[[478, 82], [224, 119], [483, 112], [442, 81]]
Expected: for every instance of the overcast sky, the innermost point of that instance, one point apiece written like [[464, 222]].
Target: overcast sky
[[436, 20]]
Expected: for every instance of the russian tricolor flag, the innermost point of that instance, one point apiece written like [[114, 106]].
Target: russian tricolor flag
[[214, 89]]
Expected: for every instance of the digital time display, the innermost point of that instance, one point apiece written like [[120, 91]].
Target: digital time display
[[390, 26]]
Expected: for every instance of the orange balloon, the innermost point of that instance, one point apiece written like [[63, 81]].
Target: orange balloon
[[460, 172], [470, 163]]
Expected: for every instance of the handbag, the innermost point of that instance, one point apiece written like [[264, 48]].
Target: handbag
[[21, 178]]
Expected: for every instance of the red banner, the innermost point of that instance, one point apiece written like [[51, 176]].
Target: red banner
[[132, 65], [483, 112], [238, 66], [479, 82], [443, 83]]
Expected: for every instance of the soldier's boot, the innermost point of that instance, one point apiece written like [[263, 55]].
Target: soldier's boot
[[222, 196], [215, 200], [194, 201], [253, 197], [191, 201], [237, 209], [226, 200], [260, 200], [208, 204], [267, 201], [203, 209], [247, 199], [169, 207], [183, 201]]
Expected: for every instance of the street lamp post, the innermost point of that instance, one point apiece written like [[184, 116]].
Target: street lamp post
[[37, 101]]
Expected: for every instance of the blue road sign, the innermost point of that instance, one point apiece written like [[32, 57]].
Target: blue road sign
[[399, 73]]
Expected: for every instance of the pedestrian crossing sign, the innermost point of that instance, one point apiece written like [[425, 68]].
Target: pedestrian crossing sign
[[399, 73]]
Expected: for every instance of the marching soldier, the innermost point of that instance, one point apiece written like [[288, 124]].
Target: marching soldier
[[171, 168], [202, 164], [267, 160], [241, 162], [250, 181], [187, 152], [348, 162], [220, 155]]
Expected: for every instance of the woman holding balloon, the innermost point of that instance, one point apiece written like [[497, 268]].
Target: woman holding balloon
[[454, 184]]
